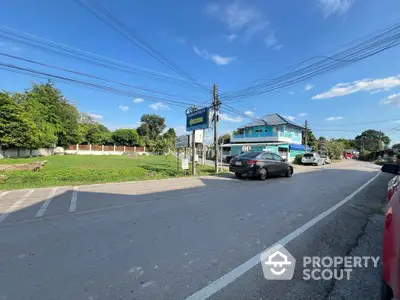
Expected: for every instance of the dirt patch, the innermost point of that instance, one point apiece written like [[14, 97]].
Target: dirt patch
[[23, 167]]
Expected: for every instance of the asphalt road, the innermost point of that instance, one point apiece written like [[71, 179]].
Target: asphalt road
[[180, 238]]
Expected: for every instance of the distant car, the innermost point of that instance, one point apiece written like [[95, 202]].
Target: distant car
[[260, 164], [391, 237], [312, 158]]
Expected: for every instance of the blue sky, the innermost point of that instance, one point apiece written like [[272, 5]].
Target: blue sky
[[230, 43]]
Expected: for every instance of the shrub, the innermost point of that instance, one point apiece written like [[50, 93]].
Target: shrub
[[297, 159]]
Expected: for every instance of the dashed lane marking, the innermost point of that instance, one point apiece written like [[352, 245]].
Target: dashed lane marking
[[74, 199], [15, 205], [42, 210]]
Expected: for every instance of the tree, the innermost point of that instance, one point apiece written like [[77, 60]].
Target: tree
[[311, 140], [48, 105], [162, 145], [348, 143], [334, 149], [151, 126], [17, 129], [372, 140], [224, 139], [125, 137], [396, 147], [170, 134]]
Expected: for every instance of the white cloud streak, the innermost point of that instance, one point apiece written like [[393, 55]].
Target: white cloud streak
[[138, 100], [95, 116], [231, 37], [302, 115], [333, 118], [249, 113], [123, 108], [368, 85], [393, 100], [217, 59], [331, 7], [228, 118], [308, 87], [244, 19], [291, 118], [159, 106]]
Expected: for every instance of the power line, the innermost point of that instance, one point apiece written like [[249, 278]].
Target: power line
[[97, 10], [35, 73], [388, 39], [49, 46]]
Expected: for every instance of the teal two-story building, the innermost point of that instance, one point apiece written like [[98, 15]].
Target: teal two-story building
[[272, 133]]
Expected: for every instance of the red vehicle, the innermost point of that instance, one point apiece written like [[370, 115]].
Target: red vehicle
[[391, 237]]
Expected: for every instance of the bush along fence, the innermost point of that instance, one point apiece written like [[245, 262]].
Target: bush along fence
[[104, 150]]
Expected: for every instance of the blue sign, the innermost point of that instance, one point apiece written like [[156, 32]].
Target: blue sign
[[197, 120]]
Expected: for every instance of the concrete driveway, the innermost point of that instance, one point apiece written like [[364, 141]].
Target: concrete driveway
[[181, 238]]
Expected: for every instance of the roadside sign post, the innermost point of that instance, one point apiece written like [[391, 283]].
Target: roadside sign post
[[196, 120], [194, 153]]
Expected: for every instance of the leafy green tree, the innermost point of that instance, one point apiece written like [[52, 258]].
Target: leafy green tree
[[311, 139], [396, 147], [348, 143], [17, 129], [151, 126], [125, 137], [162, 145], [372, 140], [224, 139], [334, 149], [170, 134]]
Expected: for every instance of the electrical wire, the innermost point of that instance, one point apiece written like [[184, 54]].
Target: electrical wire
[[35, 73], [97, 10], [38, 43]]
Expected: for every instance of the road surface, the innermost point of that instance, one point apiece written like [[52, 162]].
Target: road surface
[[187, 238]]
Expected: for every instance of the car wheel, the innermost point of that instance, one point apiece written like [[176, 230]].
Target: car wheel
[[263, 174], [238, 175], [386, 291], [289, 172]]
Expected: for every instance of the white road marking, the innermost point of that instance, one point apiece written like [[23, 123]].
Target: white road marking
[[231, 276], [74, 199], [15, 205], [3, 194], [42, 210]]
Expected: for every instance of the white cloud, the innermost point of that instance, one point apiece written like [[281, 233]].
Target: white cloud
[[231, 37], [226, 117], [369, 85], [240, 17], [138, 100], [302, 115], [222, 60], [391, 100], [291, 93], [249, 113], [291, 118], [270, 39], [201, 53], [333, 118], [278, 47], [180, 130], [217, 59], [159, 106], [330, 7], [308, 87], [123, 108], [95, 116]]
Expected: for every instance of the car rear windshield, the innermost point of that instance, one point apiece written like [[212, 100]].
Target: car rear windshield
[[308, 155], [250, 154]]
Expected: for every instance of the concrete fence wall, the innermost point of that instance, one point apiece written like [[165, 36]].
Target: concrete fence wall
[[104, 150], [73, 149], [24, 153]]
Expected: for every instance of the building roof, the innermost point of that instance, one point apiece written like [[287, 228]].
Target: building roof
[[272, 120]]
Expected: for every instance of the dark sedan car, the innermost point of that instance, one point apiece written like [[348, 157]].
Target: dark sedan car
[[260, 164]]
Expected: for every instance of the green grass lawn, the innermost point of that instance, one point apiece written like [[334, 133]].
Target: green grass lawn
[[87, 169]]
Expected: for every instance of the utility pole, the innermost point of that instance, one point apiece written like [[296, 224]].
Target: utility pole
[[306, 136], [215, 118]]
